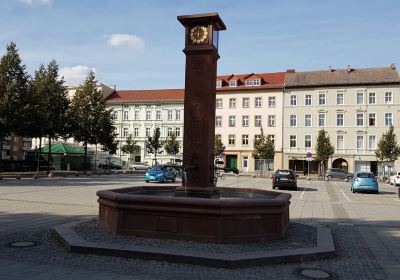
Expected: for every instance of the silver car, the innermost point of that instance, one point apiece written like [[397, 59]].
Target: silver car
[[338, 173], [139, 166]]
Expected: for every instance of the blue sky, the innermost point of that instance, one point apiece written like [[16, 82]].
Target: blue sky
[[138, 44]]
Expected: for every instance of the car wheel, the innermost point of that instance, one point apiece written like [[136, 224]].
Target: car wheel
[[173, 180], [329, 177], [273, 187], [147, 181], [376, 191], [353, 190]]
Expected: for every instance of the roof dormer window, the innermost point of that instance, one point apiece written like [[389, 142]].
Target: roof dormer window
[[256, 82], [219, 84], [249, 83], [232, 83]]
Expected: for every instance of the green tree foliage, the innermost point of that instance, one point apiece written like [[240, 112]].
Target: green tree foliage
[[13, 94], [388, 148], [171, 145], [90, 119], [130, 146], [153, 144], [219, 147], [264, 148], [323, 149]]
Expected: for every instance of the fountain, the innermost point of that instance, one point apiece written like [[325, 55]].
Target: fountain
[[197, 210]]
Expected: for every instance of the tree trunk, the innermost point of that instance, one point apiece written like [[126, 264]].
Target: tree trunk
[[85, 157], [49, 157], [39, 155], [1, 152]]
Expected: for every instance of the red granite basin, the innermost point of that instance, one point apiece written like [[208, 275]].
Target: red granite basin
[[239, 215]]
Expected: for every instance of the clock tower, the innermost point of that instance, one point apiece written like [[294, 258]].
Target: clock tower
[[201, 50]]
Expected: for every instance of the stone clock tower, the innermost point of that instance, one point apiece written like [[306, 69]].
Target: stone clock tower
[[201, 50]]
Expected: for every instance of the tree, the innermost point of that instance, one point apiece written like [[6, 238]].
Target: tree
[[171, 145], [323, 149], [264, 148], [153, 144], [219, 147], [130, 146], [90, 119], [388, 149], [13, 94]]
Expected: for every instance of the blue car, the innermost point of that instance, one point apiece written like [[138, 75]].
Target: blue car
[[161, 173], [364, 181]]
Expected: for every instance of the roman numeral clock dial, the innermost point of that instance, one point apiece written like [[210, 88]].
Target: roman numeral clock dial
[[198, 34]]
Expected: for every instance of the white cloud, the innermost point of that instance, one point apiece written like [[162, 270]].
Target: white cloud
[[134, 41], [32, 2], [74, 76]]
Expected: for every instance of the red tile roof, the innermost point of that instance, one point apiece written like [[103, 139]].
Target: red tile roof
[[121, 96]]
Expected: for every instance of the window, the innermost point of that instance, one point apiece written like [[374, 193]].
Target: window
[[339, 98], [219, 103], [360, 119], [219, 84], [258, 102], [137, 115], [371, 119], [169, 131], [232, 120], [308, 100], [271, 102], [371, 98], [232, 103], [360, 97], [372, 142], [271, 120], [231, 139], [321, 99], [136, 132], [307, 120], [360, 142], [388, 98], [148, 115], [232, 83], [271, 137], [147, 131], [170, 115], [245, 139], [388, 119], [245, 121], [246, 102], [339, 142], [293, 100], [178, 115], [126, 114], [293, 120], [257, 137], [256, 82], [115, 115], [257, 120], [292, 141], [177, 131], [307, 141], [321, 120], [218, 121], [339, 119], [249, 83], [158, 115]]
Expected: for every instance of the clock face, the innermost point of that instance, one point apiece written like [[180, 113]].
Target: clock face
[[198, 34]]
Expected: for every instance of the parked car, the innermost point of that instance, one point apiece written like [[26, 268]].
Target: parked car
[[284, 179], [110, 166], [338, 173], [161, 173], [395, 179], [364, 181], [139, 166]]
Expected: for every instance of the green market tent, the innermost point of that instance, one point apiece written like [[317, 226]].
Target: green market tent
[[62, 148], [65, 156]]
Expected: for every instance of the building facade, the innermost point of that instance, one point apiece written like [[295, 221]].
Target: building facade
[[354, 106]]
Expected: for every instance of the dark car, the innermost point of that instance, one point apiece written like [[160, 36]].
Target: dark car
[[284, 179], [110, 166], [339, 174]]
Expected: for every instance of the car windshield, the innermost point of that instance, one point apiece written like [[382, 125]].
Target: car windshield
[[284, 173], [157, 168], [365, 175]]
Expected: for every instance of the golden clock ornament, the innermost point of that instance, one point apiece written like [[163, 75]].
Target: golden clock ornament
[[198, 34]]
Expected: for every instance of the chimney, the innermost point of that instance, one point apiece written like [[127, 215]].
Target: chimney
[[291, 70], [393, 66]]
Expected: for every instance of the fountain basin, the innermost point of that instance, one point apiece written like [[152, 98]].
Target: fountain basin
[[251, 215]]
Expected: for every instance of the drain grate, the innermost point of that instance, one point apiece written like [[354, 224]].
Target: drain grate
[[313, 273], [21, 244]]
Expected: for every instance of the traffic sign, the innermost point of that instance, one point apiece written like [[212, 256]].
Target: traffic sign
[[309, 154]]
